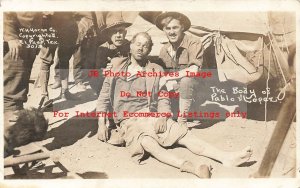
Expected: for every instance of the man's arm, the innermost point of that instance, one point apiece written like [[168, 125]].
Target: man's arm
[[195, 52], [102, 106], [11, 26], [164, 104], [11, 32], [104, 96], [182, 73]]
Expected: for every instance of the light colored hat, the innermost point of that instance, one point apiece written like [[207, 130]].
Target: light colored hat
[[176, 15], [115, 19]]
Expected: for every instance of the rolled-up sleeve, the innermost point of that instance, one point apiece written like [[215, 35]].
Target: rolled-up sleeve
[[11, 26], [104, 96]]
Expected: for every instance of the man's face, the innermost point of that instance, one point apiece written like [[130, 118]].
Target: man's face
[[117, 35], [174, 31], [140, 48]]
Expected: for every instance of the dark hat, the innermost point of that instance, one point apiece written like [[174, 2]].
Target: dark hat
[[176, 15], [115, 19]]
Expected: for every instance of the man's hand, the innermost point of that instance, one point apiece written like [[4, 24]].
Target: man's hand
[[109, 63], [160, 125], [170, 84], [102, 130], [162, 82], [14, 48]]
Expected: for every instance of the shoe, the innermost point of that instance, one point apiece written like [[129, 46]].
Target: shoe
[[56, 85], [80, 86], [68, 96], [45, 103]]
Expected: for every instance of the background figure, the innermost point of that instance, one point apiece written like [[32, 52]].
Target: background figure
[[18, 59], [67, 31], [20, 126], [115, 46], [89, 24]]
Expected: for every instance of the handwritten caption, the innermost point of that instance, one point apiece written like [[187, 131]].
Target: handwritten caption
[[37, 38], [242, 94]]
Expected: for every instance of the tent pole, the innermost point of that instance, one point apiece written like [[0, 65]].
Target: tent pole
[[284, 121]]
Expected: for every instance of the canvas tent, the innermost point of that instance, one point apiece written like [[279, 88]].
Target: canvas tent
[[248, 49]]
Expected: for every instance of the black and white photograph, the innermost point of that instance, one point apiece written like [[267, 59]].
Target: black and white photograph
[[166, 94]]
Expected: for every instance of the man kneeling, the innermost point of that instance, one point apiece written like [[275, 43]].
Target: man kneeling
[[151, 134]]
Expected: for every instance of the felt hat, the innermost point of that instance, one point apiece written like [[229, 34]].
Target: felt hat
[[176, 15], [115, 19]]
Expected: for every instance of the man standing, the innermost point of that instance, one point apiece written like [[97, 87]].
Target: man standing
[[89, 26], [18, 59], [182, 53], [143, 132], [115, 46], [67, 30]]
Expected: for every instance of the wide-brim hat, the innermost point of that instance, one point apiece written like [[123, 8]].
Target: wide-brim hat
[[176, 15], [115, 19]]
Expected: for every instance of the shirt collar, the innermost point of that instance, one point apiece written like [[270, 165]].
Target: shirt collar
[[127, 63]]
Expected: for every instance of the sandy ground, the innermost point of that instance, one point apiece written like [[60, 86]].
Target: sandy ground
[[74, 142]]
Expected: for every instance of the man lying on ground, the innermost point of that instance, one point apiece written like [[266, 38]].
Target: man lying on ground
[[151, 134]]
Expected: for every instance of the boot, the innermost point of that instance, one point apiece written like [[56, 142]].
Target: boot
[[184, 106], [46, 104], [202, 171], [66, 95], [56, 85], [80, 86]]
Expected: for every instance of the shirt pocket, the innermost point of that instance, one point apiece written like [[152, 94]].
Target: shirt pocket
[[183, 57], [138, 85]]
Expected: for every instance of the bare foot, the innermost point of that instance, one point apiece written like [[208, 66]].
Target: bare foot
[[237, 158]]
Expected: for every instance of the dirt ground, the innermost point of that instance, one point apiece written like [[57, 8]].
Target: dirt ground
[[73, 141]]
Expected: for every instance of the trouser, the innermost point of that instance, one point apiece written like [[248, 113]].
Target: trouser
[[189, 88], [79, 71], [64, 54], [92, 47], [16, 74], [78, 64]]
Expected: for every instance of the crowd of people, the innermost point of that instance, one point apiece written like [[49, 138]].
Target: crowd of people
[[97, 40]]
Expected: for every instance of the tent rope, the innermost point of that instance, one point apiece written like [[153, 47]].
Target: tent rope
[[277, 59], [281, 94], [283, 36], [267, 85]]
